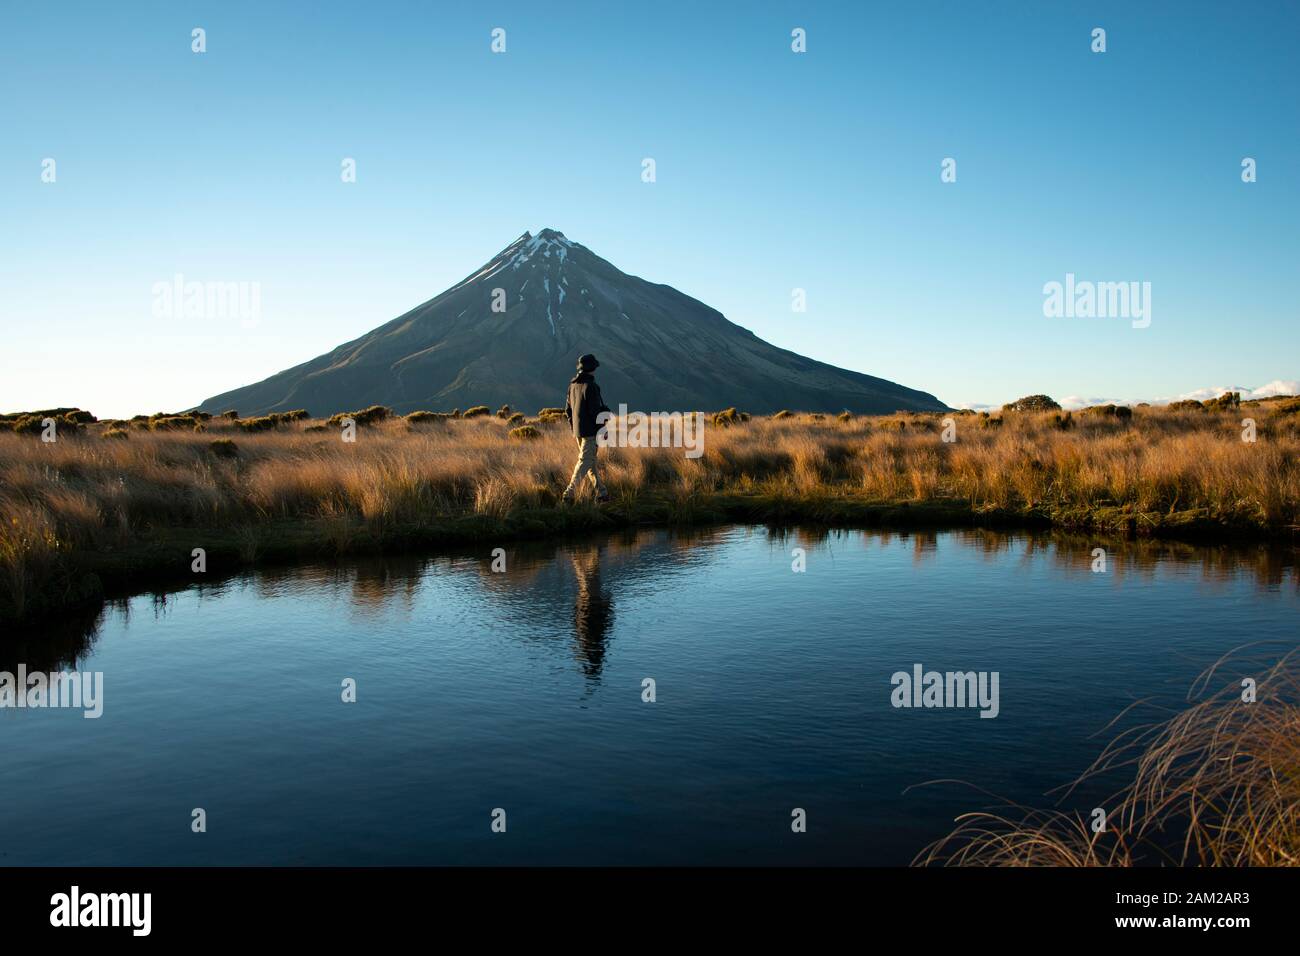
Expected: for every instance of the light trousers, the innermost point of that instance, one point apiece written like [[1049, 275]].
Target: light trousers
[[586, 466]]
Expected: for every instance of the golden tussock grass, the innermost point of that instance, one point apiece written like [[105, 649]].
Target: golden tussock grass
[[106, 485], [1218, 784]]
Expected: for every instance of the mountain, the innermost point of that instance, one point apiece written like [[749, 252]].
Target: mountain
[[659, 350]]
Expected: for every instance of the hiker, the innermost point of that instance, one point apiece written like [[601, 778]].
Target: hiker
[[582, 406]]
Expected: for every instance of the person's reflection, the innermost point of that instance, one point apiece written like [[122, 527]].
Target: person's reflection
[[593, 610]]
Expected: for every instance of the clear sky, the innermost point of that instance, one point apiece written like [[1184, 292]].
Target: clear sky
[[775, 171]]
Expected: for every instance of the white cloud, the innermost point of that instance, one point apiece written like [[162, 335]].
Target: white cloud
[[1074, 402], [1276, 387]]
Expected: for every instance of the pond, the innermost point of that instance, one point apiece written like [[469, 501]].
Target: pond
[[645, 698]]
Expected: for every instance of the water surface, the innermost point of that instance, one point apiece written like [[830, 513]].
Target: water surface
[[523, 691]]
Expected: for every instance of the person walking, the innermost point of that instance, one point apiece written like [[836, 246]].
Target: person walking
[[582, 405]]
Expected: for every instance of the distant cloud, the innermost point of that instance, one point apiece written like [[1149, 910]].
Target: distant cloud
[[1073, 402], [1275, 387]]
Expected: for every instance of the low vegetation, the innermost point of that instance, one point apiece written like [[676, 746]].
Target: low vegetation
[[114, 498], [1218, 784]]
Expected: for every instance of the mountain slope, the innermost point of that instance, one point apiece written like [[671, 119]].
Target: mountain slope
[[658, 350]]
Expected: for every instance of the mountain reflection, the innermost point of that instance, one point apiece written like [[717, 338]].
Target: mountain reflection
[[564, 594]]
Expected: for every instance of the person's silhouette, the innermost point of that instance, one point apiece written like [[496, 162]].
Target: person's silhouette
[[583, 404]]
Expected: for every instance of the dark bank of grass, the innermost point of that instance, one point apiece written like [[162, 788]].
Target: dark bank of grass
[[117, 504], [163, 557]]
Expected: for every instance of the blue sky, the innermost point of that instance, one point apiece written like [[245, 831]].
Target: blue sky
[[775, 171]]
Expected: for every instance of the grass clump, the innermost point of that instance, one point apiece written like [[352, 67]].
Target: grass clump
[[1215, 785], [265, 423], [426, 418], [223, 448], [1110, 411], [364, 416]]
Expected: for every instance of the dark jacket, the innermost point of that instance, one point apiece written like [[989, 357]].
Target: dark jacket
[[583, 405]]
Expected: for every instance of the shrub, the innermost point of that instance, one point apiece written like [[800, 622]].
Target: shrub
[[503, 411], [893, 424], [425, 418], [550, 411], [1110, 411], [784, 413], [173, 423], [477, 411], [988, 421], [727, 417], [525, 432], [1187, 405], [375, 413], [551, 416], [119, 434], [223, 448], [263, 424], [1227, 400], [1063, 420], [1033, 403], [516, 419], [845, 416], [230, 413], [365, 416]]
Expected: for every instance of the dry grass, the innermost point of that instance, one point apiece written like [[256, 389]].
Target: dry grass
[[1216, 785], [91, 492]]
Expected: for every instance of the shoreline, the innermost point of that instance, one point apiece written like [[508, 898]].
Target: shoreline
[[163, 559]]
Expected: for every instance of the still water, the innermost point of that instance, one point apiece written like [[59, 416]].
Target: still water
[[523, 690]]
